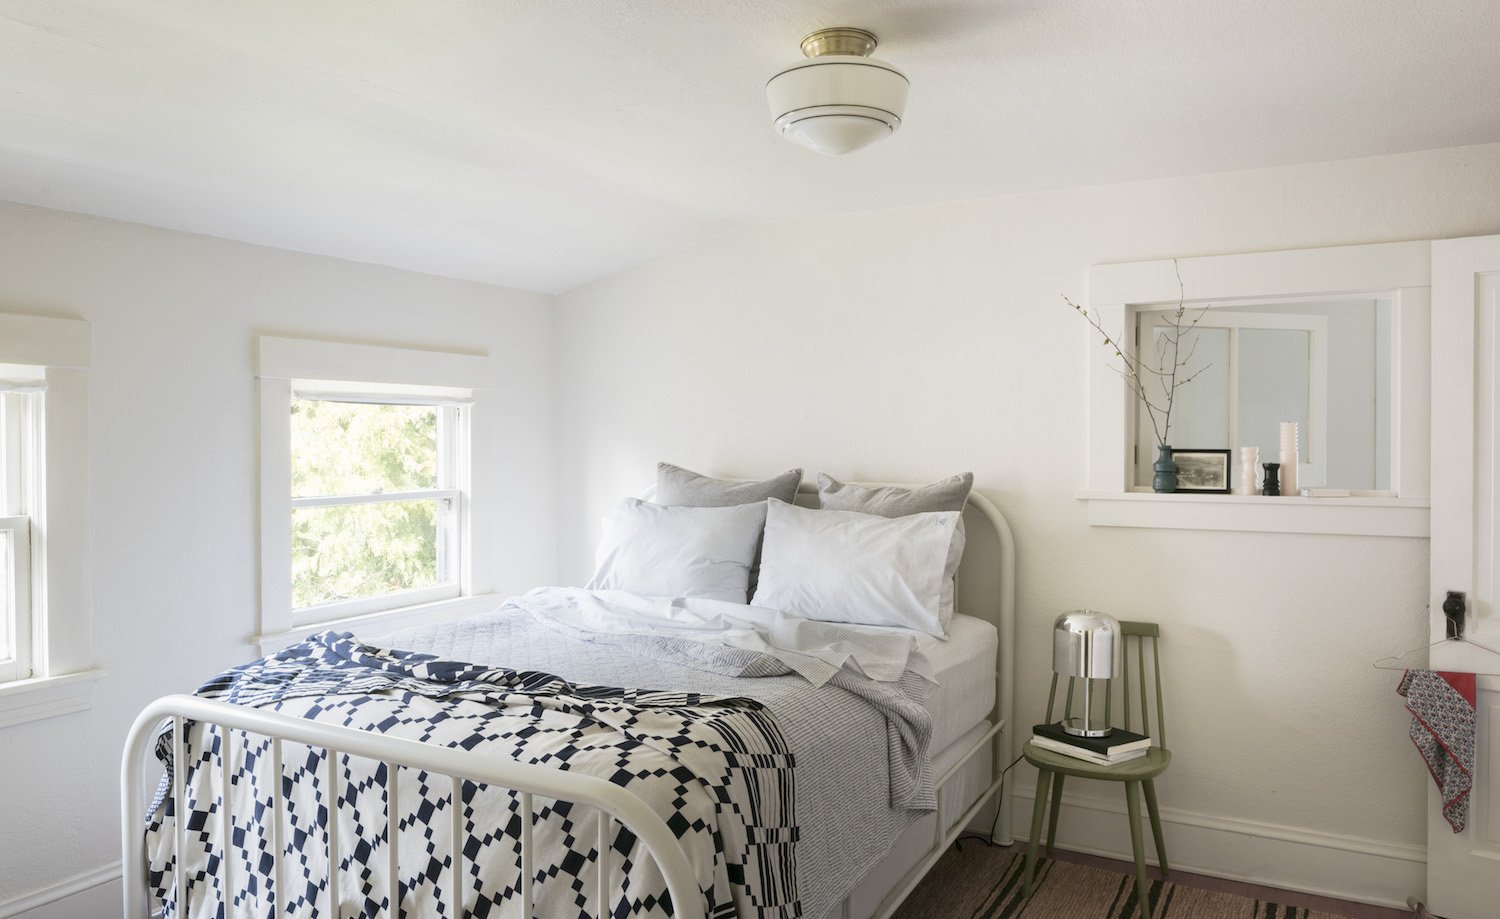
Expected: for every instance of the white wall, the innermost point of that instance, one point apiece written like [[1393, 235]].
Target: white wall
[[914, 343], [173, 468]]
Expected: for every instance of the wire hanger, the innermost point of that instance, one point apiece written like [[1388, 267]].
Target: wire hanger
[[1453, 609]]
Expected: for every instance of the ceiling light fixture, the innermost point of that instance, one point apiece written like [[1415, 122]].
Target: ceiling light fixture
[[840, 99]]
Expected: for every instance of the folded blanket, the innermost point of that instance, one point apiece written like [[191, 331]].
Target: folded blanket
[[1442, 728]]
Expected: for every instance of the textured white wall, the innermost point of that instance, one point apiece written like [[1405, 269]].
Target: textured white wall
[[173, 467], [910, 344]]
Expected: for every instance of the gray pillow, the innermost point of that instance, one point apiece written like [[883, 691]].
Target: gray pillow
[[950, 494], [685, 488], [890, 501]]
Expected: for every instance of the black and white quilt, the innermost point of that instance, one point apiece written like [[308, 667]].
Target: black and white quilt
[[715, 767]]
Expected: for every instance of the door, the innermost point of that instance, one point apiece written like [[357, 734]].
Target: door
[[1463, 869]]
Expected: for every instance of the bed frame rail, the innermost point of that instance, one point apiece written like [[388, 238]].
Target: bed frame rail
[[612, 801]]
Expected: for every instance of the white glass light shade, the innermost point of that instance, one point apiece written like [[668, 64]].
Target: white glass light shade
[[837, 103]]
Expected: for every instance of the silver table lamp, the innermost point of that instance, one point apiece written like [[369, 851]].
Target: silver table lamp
[[1086, 645]]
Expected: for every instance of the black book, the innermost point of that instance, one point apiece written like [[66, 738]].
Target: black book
[[1118, 741]]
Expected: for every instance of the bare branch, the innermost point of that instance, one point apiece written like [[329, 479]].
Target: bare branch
[[1170, 371]]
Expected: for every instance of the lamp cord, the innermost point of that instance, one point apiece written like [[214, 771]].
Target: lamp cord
[[995, 826]]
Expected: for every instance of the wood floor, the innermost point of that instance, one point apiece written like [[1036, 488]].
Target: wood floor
[[1254, 891]]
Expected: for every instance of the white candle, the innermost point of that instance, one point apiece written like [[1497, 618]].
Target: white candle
[[1249, 471], [1289, 457]]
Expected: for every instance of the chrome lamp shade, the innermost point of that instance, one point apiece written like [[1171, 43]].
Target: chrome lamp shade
[[1086, 645]]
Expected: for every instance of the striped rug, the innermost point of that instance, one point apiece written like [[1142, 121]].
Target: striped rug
[[984, 882]]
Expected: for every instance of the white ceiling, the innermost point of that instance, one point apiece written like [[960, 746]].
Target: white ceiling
[[543, 144]]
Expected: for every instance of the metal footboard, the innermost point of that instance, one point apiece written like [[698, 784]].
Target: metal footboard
[[612, 802]]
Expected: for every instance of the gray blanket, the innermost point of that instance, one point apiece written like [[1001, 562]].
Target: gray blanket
[[862, 746]]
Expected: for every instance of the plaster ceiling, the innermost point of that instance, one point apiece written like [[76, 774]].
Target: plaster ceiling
[[543, 144]]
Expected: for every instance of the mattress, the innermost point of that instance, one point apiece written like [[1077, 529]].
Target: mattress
[[964, 666], [846, 822], [841, 740], [962, 790]]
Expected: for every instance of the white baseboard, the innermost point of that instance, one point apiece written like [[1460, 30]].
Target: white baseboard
[[1276, 855], [1292, 858], [52, 894]]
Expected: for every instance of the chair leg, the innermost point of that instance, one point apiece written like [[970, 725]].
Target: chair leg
[[1038, 808], [1137, 845], [1155, 814], [1057, 784]]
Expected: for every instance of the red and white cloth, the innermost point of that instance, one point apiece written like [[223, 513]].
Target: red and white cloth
[[1442, 727]]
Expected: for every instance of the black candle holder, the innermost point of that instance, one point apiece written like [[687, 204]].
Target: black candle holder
[[1271, 485]]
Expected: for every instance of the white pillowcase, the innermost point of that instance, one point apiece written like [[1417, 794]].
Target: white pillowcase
[[844, 566], [657, 551]]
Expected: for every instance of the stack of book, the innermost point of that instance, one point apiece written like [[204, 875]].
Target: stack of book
[[1118, 746]]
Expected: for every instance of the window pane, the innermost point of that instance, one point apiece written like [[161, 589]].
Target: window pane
[[1275, 385], [7, 600], [342, 448], [352, 551]]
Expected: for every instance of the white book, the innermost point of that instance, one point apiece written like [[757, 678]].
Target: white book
[[1078, 753]]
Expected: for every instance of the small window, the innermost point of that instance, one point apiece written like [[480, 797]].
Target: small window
[[20, 423], [376, 496], [365, 470]]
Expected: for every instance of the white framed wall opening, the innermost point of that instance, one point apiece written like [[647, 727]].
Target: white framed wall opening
[[1354, 322], [366, 482]]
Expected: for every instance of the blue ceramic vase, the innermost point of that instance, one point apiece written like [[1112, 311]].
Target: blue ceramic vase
[[1165, 480]]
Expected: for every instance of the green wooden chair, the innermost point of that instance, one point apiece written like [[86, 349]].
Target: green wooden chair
[[1052, 768]]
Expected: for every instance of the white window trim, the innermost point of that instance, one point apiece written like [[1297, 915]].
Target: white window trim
[[1398, 272], [286, 365], [63, 667]]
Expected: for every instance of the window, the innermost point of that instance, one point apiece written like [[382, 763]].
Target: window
[[46, 628], [365, 484], [20, 420], [376, 500]]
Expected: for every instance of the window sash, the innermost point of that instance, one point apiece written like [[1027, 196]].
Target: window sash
[[452, 470], [379, 497], [450, 421], [15, 601], [347, 609], [20, 416]]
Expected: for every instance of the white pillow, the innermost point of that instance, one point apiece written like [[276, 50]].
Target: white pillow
[[657, 551], [844, 566]]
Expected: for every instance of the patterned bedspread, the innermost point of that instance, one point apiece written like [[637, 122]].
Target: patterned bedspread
[[715, 767]]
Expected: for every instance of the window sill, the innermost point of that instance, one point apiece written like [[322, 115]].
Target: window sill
[[1402, 517], [47, 697], [389, 620]]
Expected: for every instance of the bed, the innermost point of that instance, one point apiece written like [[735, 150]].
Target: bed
[[578, 825]]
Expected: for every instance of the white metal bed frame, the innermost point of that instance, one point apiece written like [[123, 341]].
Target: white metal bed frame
[[612, 801]]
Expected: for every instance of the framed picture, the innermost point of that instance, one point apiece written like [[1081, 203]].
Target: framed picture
[[1202, 470]]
